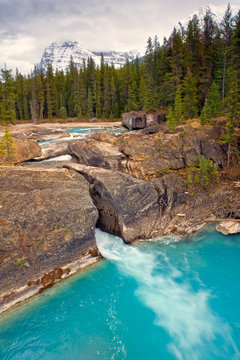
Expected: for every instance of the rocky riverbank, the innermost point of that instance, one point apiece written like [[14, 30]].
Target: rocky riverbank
[[133, 185]]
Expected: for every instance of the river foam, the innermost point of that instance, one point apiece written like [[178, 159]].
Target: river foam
[[182, 311]]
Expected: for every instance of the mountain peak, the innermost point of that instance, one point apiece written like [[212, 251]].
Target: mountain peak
[[217, 10], [59, 54]]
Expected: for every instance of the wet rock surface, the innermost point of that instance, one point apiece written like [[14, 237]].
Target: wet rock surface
[[228, 227]]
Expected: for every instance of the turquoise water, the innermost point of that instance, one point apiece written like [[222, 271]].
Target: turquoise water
[[87, 129], [154, 300], [81, 132]]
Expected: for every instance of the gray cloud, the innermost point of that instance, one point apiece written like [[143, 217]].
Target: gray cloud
[[28, 26]]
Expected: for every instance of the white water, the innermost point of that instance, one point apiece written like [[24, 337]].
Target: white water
[[58, 158], [181, 311]]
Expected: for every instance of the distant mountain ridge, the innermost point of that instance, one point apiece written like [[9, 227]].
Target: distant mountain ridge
[[59, 54], [218, 13]]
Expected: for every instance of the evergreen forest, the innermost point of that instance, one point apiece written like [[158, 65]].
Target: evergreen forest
[[194, 73]]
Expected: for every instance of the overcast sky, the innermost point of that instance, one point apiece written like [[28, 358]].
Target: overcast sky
[[27, 27]]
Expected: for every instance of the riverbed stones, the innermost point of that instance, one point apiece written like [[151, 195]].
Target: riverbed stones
[[47, 220], [128, 207], [228, 227]]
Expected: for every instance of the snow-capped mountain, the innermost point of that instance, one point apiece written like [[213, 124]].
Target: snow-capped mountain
[[218, 13], [59, 54]]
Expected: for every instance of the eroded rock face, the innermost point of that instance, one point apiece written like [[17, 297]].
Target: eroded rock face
[[184, 211], [127, 207], [47, 219], [228, 227], [94, 153], [151, 155]]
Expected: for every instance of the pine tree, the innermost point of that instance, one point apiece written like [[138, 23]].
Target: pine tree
[[51, 96], [7, 98], [212, 106], [193, 47], [171, 119], [226, 28], [22, 99], [89, 104], [190, 99], [233, 102], [7, 147], [208, 39], [178, 106], [177, 56]]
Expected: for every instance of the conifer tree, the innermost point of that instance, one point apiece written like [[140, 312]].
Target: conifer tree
[[226, 28], [7, 98], [193, 47], [171, 119], [178, 106], [51, 96], [212, 106], [22, 100], [89, 104], [177, 56], [7, 147], [208, 37], [190, 99]]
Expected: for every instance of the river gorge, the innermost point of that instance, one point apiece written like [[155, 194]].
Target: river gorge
[[172, 294]]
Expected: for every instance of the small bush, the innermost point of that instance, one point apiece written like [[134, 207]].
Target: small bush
[[20, 262]]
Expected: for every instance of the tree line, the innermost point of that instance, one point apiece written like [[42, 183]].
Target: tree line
[[195, 72]]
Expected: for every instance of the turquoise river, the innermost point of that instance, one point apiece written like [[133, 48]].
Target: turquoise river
[[155, 300]]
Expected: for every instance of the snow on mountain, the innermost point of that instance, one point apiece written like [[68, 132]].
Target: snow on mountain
[[218, 13], [59, 54]]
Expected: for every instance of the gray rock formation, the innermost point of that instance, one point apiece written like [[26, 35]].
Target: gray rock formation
[[94, 153], [127, 207], [47, 220]]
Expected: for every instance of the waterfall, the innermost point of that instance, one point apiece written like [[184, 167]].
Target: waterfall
[[182, 311]]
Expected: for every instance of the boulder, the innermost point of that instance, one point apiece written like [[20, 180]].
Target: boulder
[[228, 227], [23, 150], [127, 207], [53, 150], [105, 136], [47, 220], [134, 120], [94, 120], [94, 153]]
